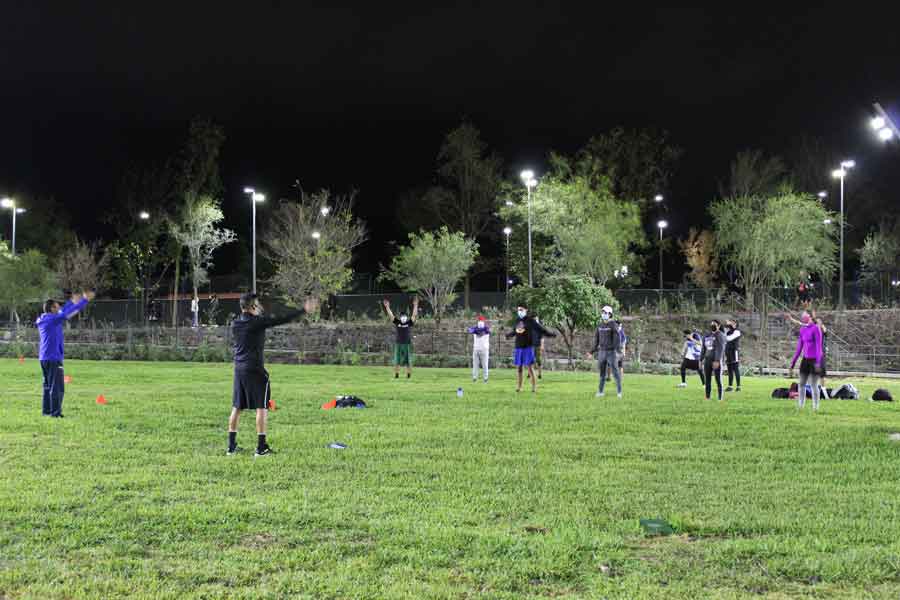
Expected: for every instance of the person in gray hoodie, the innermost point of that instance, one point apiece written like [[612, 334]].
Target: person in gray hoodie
[[607, 345], [711, 355]]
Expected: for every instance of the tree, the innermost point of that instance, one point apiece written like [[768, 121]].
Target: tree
[[699, 251], [754, 174], [82, 267], [195, 229], [568, 303], [305, 265], [24, 279], [433, 264], [880, 256], [777, 239]]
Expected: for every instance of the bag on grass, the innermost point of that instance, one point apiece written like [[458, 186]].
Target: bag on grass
[[846, 392], [882, 395], [781, 393], [349, 402]]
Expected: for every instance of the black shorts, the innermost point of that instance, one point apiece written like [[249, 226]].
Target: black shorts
[[251, 390], [693, 365], [732, 358], [808, 367]]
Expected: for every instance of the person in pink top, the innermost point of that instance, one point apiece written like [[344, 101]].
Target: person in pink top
[[809, 349]]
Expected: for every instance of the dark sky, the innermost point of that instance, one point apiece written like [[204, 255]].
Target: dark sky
[[360, 96]]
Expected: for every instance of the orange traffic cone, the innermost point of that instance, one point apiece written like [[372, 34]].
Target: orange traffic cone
[[330, 405], [101, 399], [67, 379], [272, 405], [21, 360]]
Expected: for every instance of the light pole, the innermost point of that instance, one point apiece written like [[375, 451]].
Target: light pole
[[530, 182], [662, 225], [841, 174], [507, 231], [884, 125], [11, 205], [254, 198]]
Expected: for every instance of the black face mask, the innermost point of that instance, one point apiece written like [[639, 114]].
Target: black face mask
[[713, 326]]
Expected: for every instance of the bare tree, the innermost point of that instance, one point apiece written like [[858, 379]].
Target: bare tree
[[195, 229], [699, 251]]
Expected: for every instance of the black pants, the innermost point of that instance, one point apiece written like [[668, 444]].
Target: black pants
[[710, 372], [693, 365], [734, 372], [54, 387]]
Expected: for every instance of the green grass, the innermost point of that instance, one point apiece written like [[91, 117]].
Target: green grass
[[495, 495]]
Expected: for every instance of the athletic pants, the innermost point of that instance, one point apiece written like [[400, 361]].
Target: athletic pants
[[813, 380], [54, 388], [480, 357], [734, 371], [710, 372], [609, 358]]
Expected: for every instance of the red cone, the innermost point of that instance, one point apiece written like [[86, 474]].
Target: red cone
[[21, 360], [330, 405], [272, 405], [67, 379], [101, 399]]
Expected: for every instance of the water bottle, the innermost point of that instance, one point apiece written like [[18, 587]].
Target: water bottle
[[459, 393]]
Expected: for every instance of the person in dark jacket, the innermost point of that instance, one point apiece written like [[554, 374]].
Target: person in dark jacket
[[607, 346], [523, 355], [711, 355], [51, 351], [251, 380], [733, 353]]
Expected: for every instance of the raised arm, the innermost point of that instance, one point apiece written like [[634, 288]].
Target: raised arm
[[310, 306], [415, 310], [387, 309], [78, 301]]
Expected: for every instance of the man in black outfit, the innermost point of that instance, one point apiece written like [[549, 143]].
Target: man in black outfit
[[733, 353], [251, 380]]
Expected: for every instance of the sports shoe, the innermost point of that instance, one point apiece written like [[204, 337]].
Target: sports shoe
[[737, 389], [264, 452], [396, 375], [599, 395], [474, 380], [408, 375], [729, 389], [682, 385], [618, 395], [233, 451]]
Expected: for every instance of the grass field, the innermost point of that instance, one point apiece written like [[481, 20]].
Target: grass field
[[493, 495]]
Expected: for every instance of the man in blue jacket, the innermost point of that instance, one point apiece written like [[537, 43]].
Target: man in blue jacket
[[52, 351]]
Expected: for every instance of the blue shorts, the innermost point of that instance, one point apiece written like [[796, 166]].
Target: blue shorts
[[523, 357]]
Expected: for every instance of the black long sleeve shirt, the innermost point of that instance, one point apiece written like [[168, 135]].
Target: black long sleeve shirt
[[607, 338], [713, 347], [249, 335]]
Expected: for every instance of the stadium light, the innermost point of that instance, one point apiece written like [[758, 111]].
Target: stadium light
[[316, 235], [877, 123], [507, 231], [658, 198], [10, 204], [822, 195], [826, 222], [530, 182], [325, 210], [143, 215], [662, 225], [7, 203], [255, 198], [841, 174]]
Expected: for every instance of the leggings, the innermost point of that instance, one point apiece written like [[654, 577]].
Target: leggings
[[608, 358], [734, 371], [684, 368], [813, 380], [710, 372]]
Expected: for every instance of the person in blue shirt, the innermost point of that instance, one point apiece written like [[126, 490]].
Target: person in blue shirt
[[51, 352]]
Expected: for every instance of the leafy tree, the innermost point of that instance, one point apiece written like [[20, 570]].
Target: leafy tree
[[779, 237], [433, 264], [25, 278], [306, 266], [699, 251], [754, 174], [82, 267], [880, 256], [568, 303], [195, 228]]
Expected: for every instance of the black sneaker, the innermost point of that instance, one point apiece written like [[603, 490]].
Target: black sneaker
[[738, 389], [264, 452], [408, 375], [396, 375], [233, 451], [729, 389]]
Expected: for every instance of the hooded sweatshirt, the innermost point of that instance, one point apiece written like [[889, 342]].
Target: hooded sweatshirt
[[809, 344]]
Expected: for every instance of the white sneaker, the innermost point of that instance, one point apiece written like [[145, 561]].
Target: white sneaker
[[682, 385], [599, 395], [618, 395]]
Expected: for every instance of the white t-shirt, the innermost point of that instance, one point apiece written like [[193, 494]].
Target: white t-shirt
[[195, 305], [482, 342]]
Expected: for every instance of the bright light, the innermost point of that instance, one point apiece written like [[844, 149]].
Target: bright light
[[509, 203], [527, 176], [249, 190], [885, 134], [838, 173], [531, 183], [258, 197], [509, 281], [826, 222], [507, 230], [877, 123], [823, 195], [325, 210], [7, 203], [658, 198], [144, 215], [19, 211], [316, 235], [662, 224], [848, 164], [624, 269]]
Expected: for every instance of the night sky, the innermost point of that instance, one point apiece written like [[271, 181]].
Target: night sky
[[347, 97]]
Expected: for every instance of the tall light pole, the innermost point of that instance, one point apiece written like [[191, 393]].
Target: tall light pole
[[507, 231], [530, 182], [662, 225], [841, 174], [11, 205], [884, 125], [254, 198]]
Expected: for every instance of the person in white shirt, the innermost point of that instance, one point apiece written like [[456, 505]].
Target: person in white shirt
[[481, 347], [195, 310], [691, 356]]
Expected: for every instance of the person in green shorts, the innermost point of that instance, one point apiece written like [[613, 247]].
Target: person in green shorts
[[403, 344]]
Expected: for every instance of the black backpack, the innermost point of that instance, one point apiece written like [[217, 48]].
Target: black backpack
[[349, 402], [781, 393], [882, 395]]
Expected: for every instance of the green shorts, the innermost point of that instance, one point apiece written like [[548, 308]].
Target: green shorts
[[403, 355]]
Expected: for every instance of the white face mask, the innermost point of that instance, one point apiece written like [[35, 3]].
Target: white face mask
[[522, 314], [404, 319], [480, 324], [605, 316]]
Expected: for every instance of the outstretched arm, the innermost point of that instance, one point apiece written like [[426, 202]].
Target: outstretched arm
[[77, 302], [415, 310], [309, 306], [540, 328]]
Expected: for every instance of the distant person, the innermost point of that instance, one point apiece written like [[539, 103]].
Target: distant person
[[711, 355], [690, 353], [732, 354], [809, 347], [803, 296], [607, 345], [481, 348], [623, 341], [212, 310], [403, 352], [195, 312], [251, 380], [51, 352]]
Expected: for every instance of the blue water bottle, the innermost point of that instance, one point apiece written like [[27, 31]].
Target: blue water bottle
[[459, 393]]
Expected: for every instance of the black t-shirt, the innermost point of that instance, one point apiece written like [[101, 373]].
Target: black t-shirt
[[404, 333], [249, 334], [522, 333]]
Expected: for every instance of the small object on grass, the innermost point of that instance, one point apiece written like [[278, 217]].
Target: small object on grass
[[656, 527], [21, 360], [272, 405], [894, 437], [101, 399], [330, 405], [337, 446], [459, 392], [67, 379]]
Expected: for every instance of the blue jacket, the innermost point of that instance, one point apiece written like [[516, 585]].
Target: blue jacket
[[50, 327]]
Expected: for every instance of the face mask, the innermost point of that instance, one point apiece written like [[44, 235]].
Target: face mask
[[403, 319], [805, 319], [522, 314], [714, 326], [480, 324], [605, 317]]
